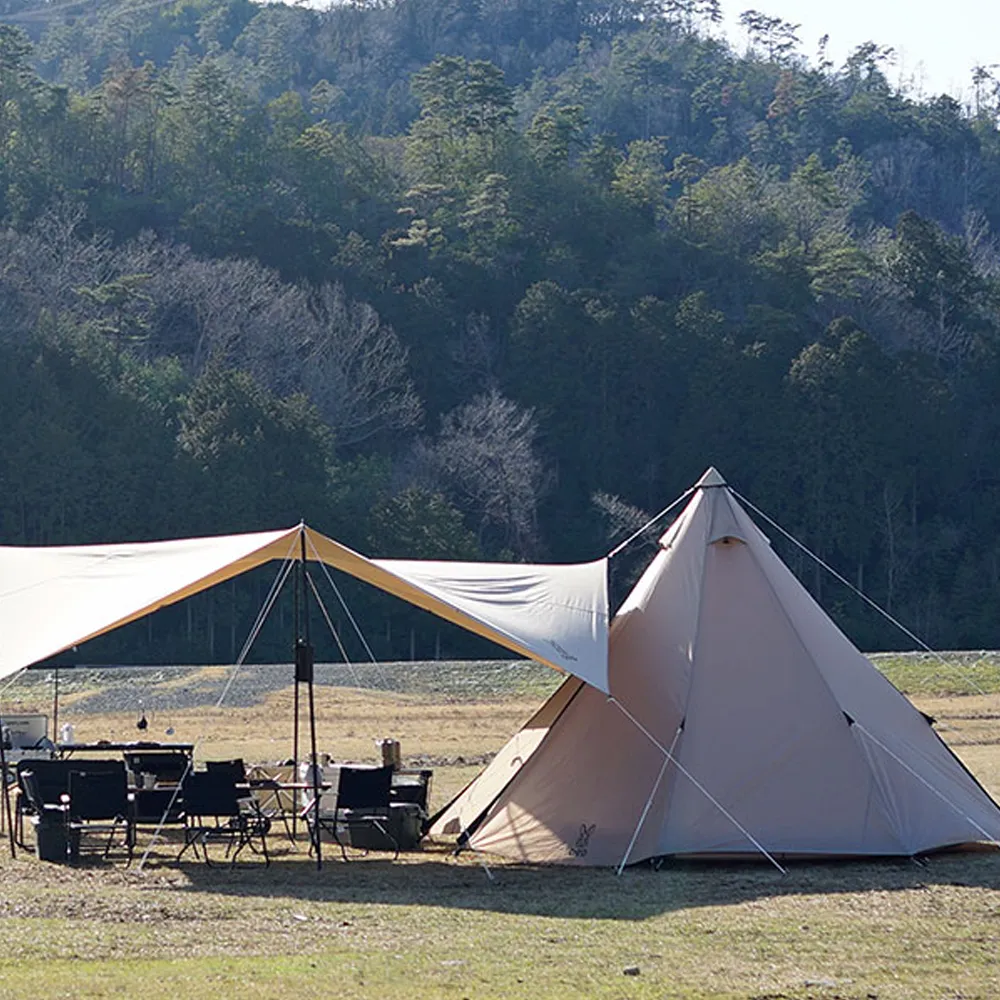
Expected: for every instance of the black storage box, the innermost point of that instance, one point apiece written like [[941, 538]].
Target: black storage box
[[405, 826], [51, 842]]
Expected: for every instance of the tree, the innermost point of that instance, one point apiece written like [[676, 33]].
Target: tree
[[266, 460], [641, 178], [465, 115], [935, 274], [776, 37], [418, 524], [484, 460]]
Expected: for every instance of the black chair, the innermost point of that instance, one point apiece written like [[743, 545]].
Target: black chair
[[158, 807], [412, 788], [49, 819], [409, 798], [51, 783], [360, 814], [230, 769], [98, 801], [216, 811]]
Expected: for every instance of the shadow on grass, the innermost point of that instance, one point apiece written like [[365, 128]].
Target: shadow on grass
[[434, 879]]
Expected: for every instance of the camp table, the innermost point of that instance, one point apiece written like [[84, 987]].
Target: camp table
[[102, 746]]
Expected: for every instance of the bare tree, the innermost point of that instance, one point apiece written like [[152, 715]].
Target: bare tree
[[41, 268], [623, 518], [355, 369], [484, 460], [235, 312]]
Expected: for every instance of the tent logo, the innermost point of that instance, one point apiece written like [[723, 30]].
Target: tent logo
[[579, 849], [564, 653]]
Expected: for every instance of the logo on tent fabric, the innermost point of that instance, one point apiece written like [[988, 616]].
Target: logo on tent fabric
[[564, 653], [579, 849]]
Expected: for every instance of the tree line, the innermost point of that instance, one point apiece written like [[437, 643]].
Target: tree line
[[463, 279]]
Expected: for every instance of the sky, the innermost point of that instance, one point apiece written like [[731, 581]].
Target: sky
[[936, 44]]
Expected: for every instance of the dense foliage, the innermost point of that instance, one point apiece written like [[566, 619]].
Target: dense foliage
[[463, 278]]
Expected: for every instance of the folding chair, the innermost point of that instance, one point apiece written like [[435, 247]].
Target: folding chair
[[360, 811], [49, 819], [274, 801], [216, 811], [98, 801], [51, 784], [40, 790], [230, 769]]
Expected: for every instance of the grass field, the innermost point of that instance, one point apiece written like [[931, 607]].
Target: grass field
[[432, 925]]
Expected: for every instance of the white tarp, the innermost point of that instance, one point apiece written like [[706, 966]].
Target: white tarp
[[557, 613], [52, 598]]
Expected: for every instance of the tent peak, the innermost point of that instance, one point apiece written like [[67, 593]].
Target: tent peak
[[712, 477]]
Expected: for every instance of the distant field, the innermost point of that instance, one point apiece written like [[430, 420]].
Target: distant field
[[166, 689], [961, 673], [432, 925]]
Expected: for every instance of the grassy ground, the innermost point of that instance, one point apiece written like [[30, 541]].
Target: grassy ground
[[431, 925]]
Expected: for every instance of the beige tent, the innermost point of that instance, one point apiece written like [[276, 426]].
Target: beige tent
[[52, 598], [741, 720]]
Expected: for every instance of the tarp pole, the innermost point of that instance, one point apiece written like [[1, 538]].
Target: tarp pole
[[296, 619], [314, 769], [6, 793], [55, 703]]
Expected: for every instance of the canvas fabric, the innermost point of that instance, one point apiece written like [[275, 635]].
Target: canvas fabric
[[52, 598], [778, 729]]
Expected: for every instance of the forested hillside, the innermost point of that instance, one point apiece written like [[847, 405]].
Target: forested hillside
[[490, 279]]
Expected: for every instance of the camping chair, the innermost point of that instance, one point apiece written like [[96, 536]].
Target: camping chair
[[231, 769], [51, 783], [41, 790], [48, 818], [98, 801], [408, 801], [274, 801], [360, 811], [215, 811]]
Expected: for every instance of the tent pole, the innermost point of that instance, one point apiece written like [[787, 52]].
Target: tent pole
[[697, 784], [6, 793], [296, 624], [649, 802], [642, 818], [314, 756], [55, 702]]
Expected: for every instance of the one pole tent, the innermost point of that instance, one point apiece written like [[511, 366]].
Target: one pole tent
[[740, 721]]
